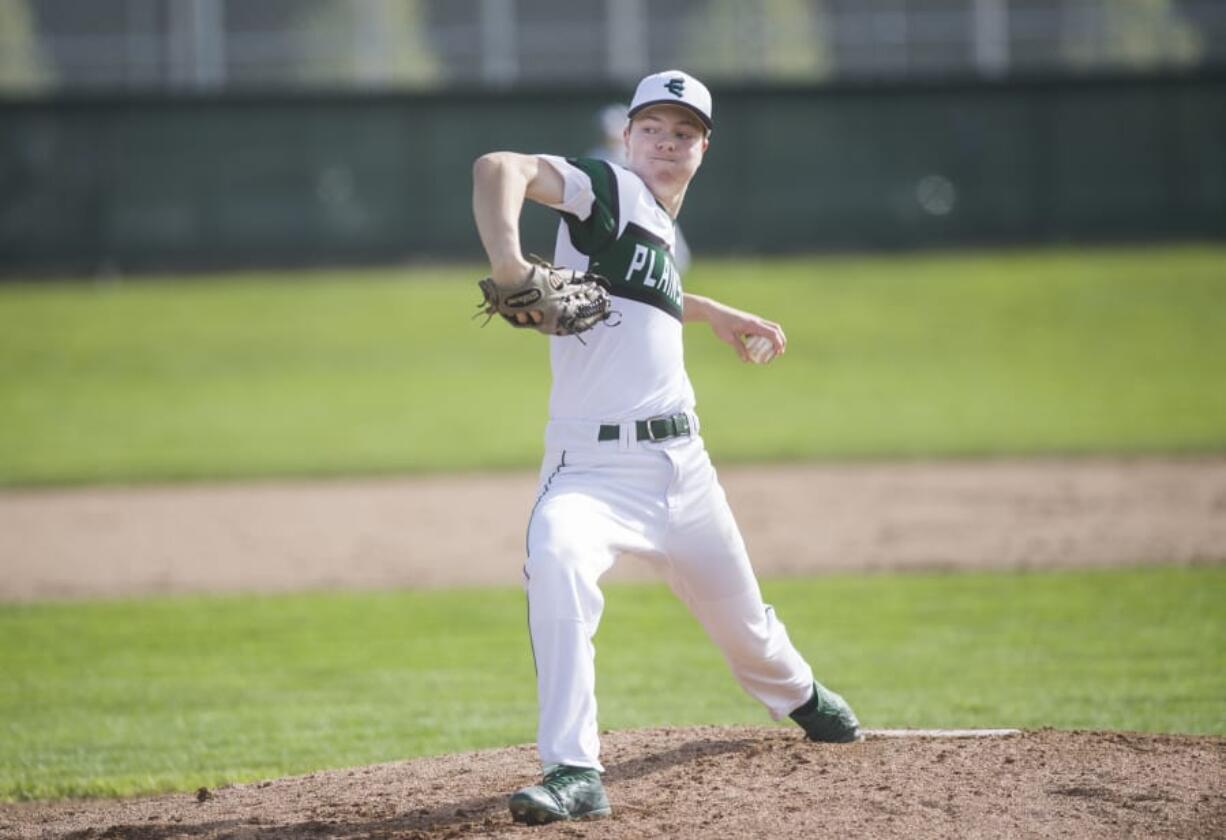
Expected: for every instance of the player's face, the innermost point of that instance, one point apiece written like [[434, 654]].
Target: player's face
[[665, 145]]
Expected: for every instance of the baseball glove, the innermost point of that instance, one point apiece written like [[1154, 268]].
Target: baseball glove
[[570, 302]]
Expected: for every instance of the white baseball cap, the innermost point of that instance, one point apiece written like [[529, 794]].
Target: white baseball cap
[[673, 87]]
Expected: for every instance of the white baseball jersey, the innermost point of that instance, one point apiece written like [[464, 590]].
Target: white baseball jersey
[[612, 225]]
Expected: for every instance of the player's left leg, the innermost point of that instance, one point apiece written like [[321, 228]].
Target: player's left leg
[[710, 571]]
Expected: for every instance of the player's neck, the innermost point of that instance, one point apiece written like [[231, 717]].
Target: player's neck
[[670, 202], [669, 194]]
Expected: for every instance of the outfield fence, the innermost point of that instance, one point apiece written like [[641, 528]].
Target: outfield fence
[[106, 184]]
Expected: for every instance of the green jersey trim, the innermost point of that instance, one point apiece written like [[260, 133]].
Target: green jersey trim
[[600, 228], [644, 234], [636, 259], [639, 266]]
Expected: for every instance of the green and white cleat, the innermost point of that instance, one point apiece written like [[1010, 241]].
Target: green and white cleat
[[828, 718], [567, 793]]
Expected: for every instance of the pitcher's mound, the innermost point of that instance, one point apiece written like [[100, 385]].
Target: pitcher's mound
[[717, 782]]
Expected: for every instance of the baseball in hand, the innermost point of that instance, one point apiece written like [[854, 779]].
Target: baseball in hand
[[760, 348]]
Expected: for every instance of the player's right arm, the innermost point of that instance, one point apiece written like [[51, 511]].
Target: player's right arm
[[732, 325], [501, 182]]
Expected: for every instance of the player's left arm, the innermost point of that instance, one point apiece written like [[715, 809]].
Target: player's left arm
[[732, 325]]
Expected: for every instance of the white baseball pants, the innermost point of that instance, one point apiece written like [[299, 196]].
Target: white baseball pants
[[661, 500]]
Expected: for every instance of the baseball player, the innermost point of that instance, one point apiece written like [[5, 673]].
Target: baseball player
[[625, 469]]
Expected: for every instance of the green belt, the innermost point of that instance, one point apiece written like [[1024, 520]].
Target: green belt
[[657, 428]]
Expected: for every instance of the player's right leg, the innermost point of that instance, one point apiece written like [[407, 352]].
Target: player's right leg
[[577, 528], [568, 551]]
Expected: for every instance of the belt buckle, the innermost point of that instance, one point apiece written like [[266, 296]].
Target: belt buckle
[[651, 435], [676, 426]]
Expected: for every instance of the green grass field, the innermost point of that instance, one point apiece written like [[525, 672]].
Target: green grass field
[[1102, 351], [172, 693], [1077, 351]]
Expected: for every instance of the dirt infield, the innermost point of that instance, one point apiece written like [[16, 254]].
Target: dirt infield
[[423, 532], [681, 783]]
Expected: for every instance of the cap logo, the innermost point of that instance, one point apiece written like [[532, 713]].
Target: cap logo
[[676, 86]]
